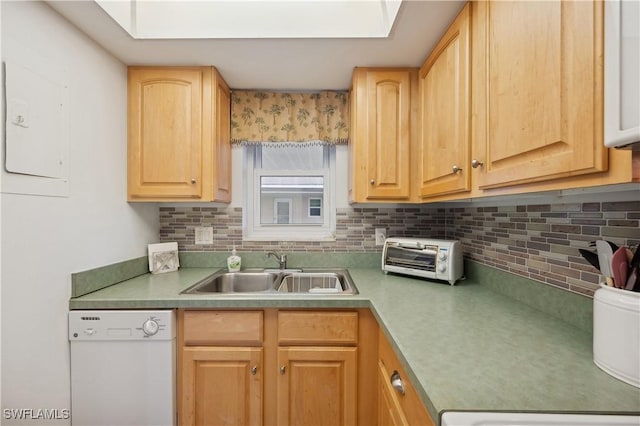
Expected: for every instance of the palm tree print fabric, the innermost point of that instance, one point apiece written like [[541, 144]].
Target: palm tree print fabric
[[289, 117]]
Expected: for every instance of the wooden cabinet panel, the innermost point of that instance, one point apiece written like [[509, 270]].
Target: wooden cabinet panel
[[165, 132], [317, 328], [388, 160], [223, 328], [402, 409], [445, 100], [179, 134], [389, 410], [221, 386], [538, 90], [367, 365], [317, 386], [382, 105], [222, 140]]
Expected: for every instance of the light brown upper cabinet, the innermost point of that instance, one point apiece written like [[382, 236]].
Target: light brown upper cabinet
[[179, 135], [531, 113], [537, 91], [445, 143], [383, 103]]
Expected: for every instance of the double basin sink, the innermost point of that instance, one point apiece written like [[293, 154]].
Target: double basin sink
[[327, 282]]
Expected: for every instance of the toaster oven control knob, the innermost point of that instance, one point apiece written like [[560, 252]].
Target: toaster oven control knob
[[442, 268], [442, 256], [150, 327]]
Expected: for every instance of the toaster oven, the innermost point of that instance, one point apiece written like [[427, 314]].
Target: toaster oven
[[423, 257]]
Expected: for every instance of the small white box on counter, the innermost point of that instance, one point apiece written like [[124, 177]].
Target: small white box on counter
[[163, 257]]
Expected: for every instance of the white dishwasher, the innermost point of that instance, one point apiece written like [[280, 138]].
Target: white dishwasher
[[123, 367]]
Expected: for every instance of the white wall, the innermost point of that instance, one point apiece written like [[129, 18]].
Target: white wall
[[45, 239]]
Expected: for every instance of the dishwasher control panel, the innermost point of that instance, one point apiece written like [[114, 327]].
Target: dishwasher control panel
[[121, 325]]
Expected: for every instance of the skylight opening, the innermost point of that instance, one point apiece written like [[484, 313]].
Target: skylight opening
[[241, 19]]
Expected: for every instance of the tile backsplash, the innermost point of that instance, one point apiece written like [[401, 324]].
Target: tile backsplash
[[541, 241], [354, 228], [537, 241]]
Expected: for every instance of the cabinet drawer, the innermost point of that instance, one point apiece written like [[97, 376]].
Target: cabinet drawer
[[411, 405], [223, 328], [317, 328]]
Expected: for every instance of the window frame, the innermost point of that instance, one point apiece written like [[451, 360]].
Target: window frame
[[253, 230]]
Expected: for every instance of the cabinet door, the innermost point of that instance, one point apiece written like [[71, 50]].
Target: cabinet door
[[395, 407], [165, 133], [538, 85], [389, 410], [388, 98], [221, 386], [317, 386], [381, 134], [445, 107]]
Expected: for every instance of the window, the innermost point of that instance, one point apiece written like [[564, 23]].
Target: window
[[288, 191], [315, 207]]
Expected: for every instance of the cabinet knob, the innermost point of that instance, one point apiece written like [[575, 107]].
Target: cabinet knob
[[193, 180], [283, 369], [396, 382], [372, 181], [475, 163], [456, 169], [254, 370]]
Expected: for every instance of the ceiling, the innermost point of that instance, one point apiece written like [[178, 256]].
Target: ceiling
[[276, 63]]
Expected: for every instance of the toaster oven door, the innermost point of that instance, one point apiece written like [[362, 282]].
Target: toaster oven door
[[415, 256]]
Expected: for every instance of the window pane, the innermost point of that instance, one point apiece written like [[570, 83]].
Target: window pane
[[286, 199], [292, 157], [315, 207]]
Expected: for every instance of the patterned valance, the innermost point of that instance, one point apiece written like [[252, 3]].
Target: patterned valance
[[258, 116]]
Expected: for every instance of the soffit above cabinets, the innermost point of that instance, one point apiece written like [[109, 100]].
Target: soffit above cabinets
[[276, 63]]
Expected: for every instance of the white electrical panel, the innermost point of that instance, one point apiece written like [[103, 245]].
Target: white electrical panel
[[36, 144]]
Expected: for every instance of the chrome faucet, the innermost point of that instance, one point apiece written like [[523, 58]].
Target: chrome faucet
[[281, 258]]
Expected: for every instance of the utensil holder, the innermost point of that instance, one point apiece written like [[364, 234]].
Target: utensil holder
[[616, 333]]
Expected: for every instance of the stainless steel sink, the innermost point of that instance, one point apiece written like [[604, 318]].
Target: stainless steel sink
[[274, 282], [235, 282], [318, 282]]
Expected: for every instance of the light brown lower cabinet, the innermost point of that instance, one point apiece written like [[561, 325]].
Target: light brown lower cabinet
[[396, 407], [277, 367], [389, 410], [289, 367], [220, 367], [317, 386], [223, 386]]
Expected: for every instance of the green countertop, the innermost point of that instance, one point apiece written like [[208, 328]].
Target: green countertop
[[466, 347]]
